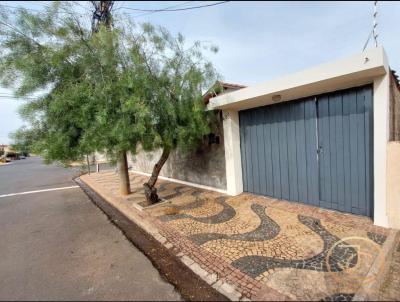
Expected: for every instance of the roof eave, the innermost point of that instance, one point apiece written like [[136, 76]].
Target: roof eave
[[345, 73]]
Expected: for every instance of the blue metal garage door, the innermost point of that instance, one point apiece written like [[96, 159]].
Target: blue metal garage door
[[316, 150]]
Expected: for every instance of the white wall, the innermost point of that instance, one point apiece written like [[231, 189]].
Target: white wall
[[233, 163], [381, 138]]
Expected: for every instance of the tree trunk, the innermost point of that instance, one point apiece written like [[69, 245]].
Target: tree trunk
[[149, 187], [88, 164], [124, 185]]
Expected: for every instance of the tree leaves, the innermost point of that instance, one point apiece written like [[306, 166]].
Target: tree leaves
[[107, 91]]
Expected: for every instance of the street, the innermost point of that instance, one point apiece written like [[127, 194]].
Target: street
[[57, 245]]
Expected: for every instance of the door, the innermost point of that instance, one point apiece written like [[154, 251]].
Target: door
[[345, 150], [316, 150]]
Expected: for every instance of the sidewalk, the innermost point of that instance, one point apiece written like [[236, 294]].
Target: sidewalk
[[251, 247]]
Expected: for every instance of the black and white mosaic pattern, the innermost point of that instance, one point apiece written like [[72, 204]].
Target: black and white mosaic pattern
[[342, 256], [267, 230]]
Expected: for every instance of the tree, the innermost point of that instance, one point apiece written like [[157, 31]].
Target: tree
[[107, 91], [85, 86], [176, 78], [23, 140]]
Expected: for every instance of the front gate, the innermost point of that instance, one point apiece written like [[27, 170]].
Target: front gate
[[317, 150]]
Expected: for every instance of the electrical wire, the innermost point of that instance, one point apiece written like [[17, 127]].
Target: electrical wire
[[20, 7], [169, 7], [174, 9], [35, 10], [77, 3]]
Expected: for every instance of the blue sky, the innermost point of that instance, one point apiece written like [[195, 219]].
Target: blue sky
[[259, 41]]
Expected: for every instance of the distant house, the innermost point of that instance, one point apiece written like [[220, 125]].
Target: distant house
[[220, 88], [5, 148]]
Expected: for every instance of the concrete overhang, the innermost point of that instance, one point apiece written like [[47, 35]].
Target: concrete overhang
[[353, 71]]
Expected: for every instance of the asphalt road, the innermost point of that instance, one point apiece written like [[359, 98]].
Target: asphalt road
[[57, 245]]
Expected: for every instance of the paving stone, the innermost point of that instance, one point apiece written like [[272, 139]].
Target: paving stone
[[210, 278], [161, 239], [227, 290], [188, 261], [198, 270]]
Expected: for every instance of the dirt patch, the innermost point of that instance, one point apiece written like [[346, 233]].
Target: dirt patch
[[187, 283]]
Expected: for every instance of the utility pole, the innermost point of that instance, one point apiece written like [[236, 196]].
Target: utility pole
[[101, 14]]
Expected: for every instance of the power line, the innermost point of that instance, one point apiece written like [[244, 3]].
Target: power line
[[165, 8], [20, 7], [16, 97], [35, 10], [77, 3], [175, 9]]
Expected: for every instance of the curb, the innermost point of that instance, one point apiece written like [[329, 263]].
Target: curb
[[187, 270], [369, 291]]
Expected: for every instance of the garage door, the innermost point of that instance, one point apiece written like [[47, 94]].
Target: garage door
[[316, 150]]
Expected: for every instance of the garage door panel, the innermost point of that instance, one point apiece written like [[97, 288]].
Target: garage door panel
[[292, 154], [259, 117], [361, 149], [275, 153], [353, 145], [301, 152], [254, 153], [347, 97], [246, 161], [268, 154], [311, 146], [333, 179], [368, 117], [283, 151], [339, 151], [324, 154], [242, 123]]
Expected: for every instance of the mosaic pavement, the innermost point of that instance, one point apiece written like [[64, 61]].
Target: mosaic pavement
[[299, 255], [302, 252]]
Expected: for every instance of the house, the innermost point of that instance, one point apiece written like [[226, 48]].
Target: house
[[326, 136], [5, 148]]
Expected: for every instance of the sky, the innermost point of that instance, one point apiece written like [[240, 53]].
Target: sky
[[257, 41]]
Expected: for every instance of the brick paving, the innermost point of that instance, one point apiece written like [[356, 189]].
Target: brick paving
[[258, 248]]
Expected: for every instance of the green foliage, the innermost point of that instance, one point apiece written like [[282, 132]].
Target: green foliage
[[108, 91], [177, 78], [22, 140]]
